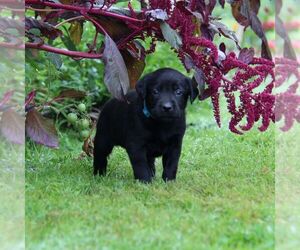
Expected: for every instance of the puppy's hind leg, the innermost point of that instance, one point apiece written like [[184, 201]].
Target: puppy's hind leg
[[102, 149]]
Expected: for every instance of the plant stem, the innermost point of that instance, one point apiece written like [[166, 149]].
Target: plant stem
[[70, 53], [11, 9], [96, 24], [94, 42], [83, 9], [68, 20], [12, 4], [12, 46], [41, 10], [123, 42]]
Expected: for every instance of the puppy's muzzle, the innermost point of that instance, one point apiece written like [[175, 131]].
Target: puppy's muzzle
[[167, 107]]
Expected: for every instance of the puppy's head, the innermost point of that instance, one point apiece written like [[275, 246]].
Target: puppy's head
[[165, 93]]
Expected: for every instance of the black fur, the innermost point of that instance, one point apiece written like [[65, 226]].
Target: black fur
[[164, 93]]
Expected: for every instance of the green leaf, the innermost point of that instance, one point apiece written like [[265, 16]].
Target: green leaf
[[76, 30], [67, 41], [12, 31], [35, 31], [55, 59]]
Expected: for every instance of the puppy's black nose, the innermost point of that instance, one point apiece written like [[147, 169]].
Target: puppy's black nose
[[167, 107]]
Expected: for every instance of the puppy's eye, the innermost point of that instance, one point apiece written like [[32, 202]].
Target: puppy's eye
[[155, 92], [178, 92]]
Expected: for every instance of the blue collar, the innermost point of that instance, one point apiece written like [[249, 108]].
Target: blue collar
[[146, 110]]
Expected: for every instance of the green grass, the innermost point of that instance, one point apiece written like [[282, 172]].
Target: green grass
[[12, 195], [223, 197]]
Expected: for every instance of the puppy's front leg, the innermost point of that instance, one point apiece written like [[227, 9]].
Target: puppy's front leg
[[138, 159], [170, 160]]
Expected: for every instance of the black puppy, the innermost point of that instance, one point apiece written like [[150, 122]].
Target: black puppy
[[150, 124]]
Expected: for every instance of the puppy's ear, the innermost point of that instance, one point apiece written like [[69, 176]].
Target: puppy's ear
[[141, 86], [194, 92]]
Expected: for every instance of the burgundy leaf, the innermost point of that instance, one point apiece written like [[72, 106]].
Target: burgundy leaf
[[188, 62], [203, 7], [40, 129], [241, 10], [6, 98], [157, 14], [289, 51], [114, 28], [115, 76], [265, 50], [12, 126], [200, 79], [207, 32], [71, 93], [258, 29], [171, 36], [137, 50], [221, 28], [246, 55], [246, 14], [30, 97], [222, 47], [206, 94], [135, 67], [210, 5], [248, 7]]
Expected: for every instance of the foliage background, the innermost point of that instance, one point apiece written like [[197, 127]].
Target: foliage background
[[48, 75]]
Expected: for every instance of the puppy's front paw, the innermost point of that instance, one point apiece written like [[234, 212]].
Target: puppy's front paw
[[99, 171], [143, 176], [169, 176], [144, 180]]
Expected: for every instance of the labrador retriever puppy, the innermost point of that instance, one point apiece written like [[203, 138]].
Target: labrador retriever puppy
[[149, 124]]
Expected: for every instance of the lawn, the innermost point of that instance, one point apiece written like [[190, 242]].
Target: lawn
[[223, 197]]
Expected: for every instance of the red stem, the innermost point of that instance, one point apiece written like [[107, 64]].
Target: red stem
[[97, 25], [83, 9], [123, 42], [20, 10], [12, 46], [10, 3], [63, 51], [94, 42]]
